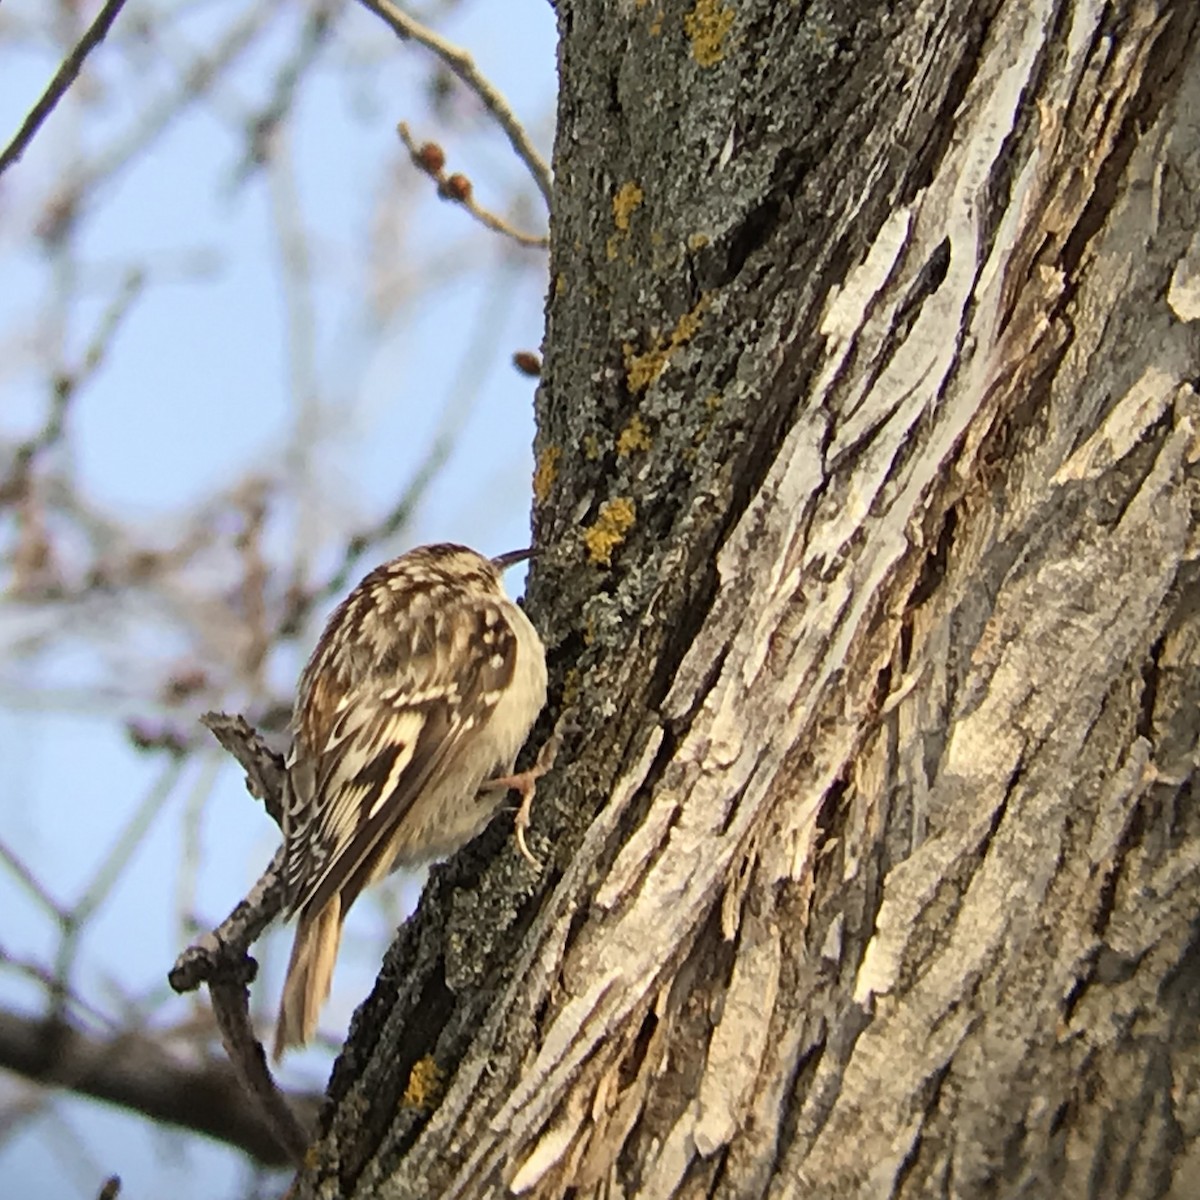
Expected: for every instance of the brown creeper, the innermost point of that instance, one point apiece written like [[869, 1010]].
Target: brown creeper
[[422, 689]]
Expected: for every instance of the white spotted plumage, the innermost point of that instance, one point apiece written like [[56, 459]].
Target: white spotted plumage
[[423, 686]]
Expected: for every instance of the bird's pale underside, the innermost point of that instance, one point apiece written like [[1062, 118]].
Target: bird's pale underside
[[422, 688]]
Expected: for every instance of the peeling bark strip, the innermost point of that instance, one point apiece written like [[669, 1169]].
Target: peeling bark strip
[[889, 685]]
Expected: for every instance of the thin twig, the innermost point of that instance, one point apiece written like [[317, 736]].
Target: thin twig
[[132, 286], [131, 837], [263, 767], [221, 958], [107, 875], [458, 189], [46, 978], [314, 37], [302, 602], [221, 954], [295, 253], [63, 78], [66, 383], [30, 882], [191, 827], [231, 1005], [196, 79], [223, 951], [463, 67]]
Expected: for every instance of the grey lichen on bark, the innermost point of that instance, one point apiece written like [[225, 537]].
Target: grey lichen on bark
[[867, 477]]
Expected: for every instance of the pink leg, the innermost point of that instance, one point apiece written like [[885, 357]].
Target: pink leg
[[525, 782]]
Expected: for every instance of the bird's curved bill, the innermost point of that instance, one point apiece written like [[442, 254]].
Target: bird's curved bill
[[503, 561]]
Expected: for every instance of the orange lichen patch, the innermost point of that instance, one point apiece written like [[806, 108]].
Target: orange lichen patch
[[625, 203], [633, 437], [545, 473], [707, 26], [641, 370], [687, 325], [608, 532], [424, 1084]]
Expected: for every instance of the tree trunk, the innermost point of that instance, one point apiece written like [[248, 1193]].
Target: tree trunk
[[867, 474]]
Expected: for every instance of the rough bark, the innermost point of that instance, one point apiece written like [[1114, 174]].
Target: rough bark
[[867, 473]]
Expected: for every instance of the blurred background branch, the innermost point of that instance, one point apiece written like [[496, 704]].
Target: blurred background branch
[[57, 88]]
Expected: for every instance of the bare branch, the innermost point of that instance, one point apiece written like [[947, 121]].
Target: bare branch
[[221, 954], [113, 865], [263, 767], [136, 1071], [462, 65], [220, 958], [63, 78], [314, 37], [30, 883], [231, 1005]]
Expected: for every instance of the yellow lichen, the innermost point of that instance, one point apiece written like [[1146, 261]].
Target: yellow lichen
[[625, 203], [707, 26], [591, 447], [687, 325], [633, 437], [546, 473], [609, 530], [641, 370], [697, 241], [424, 1084]]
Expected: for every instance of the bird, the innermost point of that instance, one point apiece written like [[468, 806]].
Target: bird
[[420, 693]]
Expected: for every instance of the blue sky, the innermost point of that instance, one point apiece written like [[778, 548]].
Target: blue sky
[[207, 380]]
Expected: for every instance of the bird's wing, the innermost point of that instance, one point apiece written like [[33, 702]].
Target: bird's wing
[[374, 730]]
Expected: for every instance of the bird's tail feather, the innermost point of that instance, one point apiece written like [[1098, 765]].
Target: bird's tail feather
[[309, 975]]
